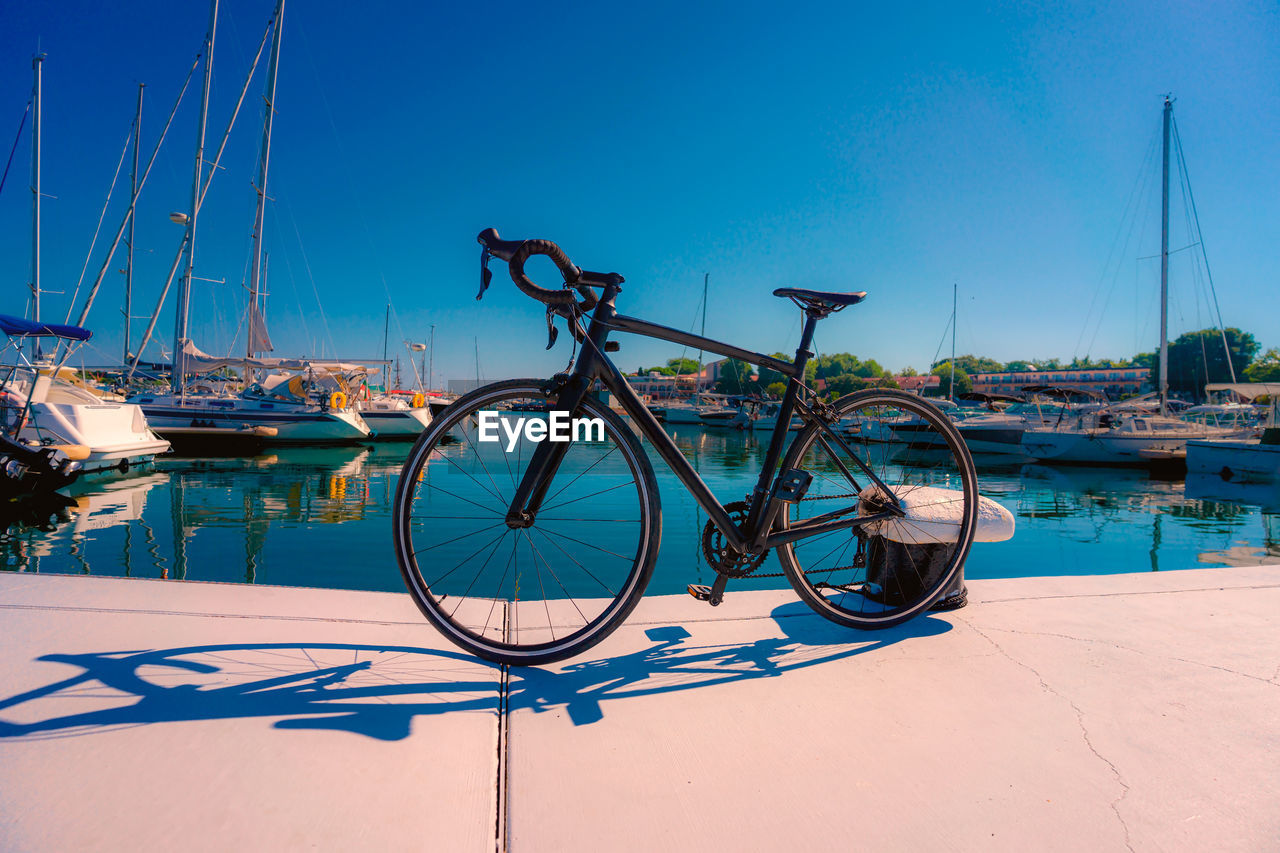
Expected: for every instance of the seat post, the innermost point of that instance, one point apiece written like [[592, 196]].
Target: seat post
[[806, 337]]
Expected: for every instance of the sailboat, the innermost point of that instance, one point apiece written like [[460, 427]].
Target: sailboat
[[394, 415], [1123, 435], [296, 401], [52, 411], [702, 407]]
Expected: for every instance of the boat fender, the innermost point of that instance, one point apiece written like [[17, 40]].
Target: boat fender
[[932, 515], [418, 401], [337, 400]]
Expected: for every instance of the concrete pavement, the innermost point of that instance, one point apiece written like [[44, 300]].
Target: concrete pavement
[[1110, 712]]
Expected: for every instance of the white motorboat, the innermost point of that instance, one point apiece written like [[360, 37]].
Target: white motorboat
[[40, 410], [1101, 438], [1000, 433], [393, 416], [1256, 461]]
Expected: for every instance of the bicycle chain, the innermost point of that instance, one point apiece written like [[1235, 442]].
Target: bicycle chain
[[812, 571]]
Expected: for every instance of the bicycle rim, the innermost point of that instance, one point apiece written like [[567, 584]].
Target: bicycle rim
[[536, 594], [883, 573]]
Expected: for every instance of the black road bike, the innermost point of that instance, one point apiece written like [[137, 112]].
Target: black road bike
[[526, 551]]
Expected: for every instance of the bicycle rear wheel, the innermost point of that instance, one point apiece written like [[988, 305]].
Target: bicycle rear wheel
[[882, 573], [535, 594]]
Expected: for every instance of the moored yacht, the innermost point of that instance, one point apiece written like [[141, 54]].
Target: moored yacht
[[41, 410], [1102, 438], [395, 416], [295, 400]]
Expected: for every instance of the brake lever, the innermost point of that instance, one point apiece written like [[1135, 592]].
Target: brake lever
[[486, 274], [552, 331]]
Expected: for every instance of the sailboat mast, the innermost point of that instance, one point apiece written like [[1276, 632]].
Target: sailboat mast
[[431, 358], [184, 286], [36, 63], [1164, 265], [697, 380], [133, 194], [273, 67], [955, 288]]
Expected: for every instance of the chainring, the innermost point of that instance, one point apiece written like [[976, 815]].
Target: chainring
[[720, 555]]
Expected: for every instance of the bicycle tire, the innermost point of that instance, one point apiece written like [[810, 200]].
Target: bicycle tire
[[847, 594], [519, 643]]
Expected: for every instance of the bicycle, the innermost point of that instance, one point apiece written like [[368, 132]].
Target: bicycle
[[504, 556]]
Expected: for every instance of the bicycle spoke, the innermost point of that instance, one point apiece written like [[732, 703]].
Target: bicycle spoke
[[539, 597]]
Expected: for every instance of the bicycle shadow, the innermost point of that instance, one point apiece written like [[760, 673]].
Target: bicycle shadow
[[379, 691]]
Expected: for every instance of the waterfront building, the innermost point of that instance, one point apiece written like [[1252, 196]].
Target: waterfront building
[[1115, 382]]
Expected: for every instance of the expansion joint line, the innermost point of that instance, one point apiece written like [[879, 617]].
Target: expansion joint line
[[502, 787]]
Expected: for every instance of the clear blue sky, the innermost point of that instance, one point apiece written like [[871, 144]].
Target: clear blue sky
[[838, 146]]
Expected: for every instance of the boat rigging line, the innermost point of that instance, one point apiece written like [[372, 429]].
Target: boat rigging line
[[199, 201], [16, 139]]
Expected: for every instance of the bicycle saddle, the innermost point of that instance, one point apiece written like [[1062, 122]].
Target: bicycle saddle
[[819, 302]]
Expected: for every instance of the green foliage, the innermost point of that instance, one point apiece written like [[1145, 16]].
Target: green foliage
[[776, 389], [769, 377], [973, 364], [963, 383], [845, 384], [1266, 368], [682, 366], [1196, 358], [908, 371], [1019, 366], [735, 378], [835, 365], [664, 371]]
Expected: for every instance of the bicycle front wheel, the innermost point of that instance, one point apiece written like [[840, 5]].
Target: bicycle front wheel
[[522, 594], [894, 453]]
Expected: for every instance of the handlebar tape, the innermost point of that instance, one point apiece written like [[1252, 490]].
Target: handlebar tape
[[516, 253]]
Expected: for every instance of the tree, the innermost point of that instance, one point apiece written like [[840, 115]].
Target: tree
[[836, 364], [664, 371], [870, 369], [769, 377], [908, 371], [1019, 366], [1266, 368], [845, 384], [1197, 358], [776, 389], [963, 383], [682, 366], [974, 364], [735, 378]]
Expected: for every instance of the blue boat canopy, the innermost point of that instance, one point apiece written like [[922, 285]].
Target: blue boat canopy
[[16, 327]]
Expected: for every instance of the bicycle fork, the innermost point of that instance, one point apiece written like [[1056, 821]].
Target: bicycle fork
[[546, 459]]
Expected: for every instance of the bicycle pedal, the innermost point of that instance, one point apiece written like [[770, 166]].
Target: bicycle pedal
[[702, 592], [792, 484]]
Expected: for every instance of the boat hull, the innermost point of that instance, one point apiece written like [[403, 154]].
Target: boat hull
[[1095, 448], [397, 424], [1235, 461], [116, 434], [293, 425]]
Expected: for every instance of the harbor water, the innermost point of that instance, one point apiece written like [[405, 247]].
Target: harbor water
[[321, 517]]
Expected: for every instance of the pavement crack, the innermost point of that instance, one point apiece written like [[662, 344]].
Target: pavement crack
[[1131, 650], [1084, 730]]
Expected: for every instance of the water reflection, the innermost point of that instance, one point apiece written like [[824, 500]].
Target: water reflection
[[321, 517]]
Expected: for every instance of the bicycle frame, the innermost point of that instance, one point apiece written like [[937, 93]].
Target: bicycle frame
[[594, 365]]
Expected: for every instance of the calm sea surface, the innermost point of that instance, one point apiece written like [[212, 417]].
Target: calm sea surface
[[321, 518]]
